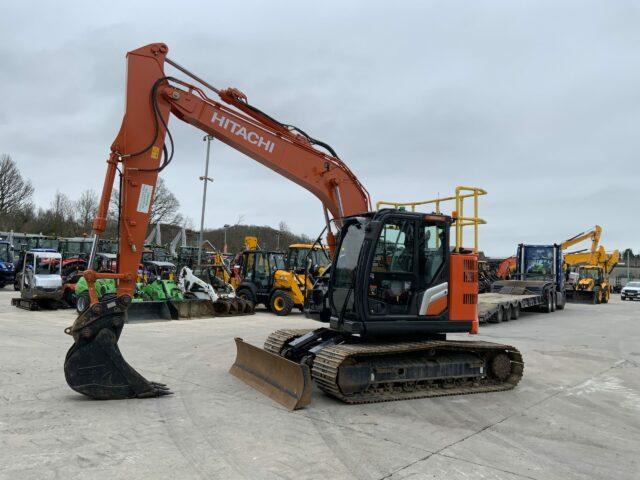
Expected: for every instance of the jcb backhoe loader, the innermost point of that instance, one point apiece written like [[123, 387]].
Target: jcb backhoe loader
[[593, 284], [590, 267], [392, 293], [279, 283]]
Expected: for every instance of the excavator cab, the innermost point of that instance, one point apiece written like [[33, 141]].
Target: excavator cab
[[404, 283], [302, 257], [590, 274]]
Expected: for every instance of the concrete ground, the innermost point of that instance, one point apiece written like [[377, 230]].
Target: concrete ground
[[575, 414]]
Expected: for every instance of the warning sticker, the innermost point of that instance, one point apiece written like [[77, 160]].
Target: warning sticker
[[144, 202]]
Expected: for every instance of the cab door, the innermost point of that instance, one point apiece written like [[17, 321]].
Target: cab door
[[28, 270], [393, 280], [408, 278], [433, 269]]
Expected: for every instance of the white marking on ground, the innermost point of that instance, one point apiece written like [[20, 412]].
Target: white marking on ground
[[608, 384]]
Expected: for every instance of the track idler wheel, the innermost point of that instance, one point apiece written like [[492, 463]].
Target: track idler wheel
[[94, 365], [501, 366]]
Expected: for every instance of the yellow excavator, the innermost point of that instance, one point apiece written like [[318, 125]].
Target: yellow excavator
[[591, 268]]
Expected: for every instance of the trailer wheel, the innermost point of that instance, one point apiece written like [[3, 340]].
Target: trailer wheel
[[546, 308], [515, 311], [560, 305], [507, 313]]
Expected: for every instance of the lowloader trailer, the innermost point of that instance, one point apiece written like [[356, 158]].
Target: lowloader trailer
[[502, 307], [538, 286]]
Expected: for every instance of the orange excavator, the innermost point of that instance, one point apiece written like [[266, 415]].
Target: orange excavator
[[392, 293]]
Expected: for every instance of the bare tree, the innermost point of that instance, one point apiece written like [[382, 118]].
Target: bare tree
[[165, 207], [15, 192], [61, 206], [283, 227], [86, 207], [61, 213]]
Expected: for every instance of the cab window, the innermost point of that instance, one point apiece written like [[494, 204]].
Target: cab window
[[431, 253], [394, 249], [276, 260], [247, 266], [392, 282]]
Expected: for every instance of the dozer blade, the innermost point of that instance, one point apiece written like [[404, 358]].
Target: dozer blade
[[94, 365], [151, 310], [288, 383]]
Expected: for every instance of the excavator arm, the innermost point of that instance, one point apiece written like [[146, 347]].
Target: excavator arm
[[593, 235], [94, 365], [610, 260]]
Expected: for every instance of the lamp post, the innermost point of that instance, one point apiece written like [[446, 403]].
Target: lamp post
[[205, 179], [224, 248], [628, 260]]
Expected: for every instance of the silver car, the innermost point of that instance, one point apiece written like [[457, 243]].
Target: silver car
[[630, 291]]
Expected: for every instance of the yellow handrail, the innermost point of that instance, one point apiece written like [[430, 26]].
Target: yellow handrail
[[459, 219]]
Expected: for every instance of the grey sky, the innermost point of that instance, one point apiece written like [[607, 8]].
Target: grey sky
[[537, 102]]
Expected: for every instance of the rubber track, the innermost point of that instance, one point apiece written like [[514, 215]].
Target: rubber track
[[277, 339], [327, 363]]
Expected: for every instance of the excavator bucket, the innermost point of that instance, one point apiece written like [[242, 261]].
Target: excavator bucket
[[151, 310], [94, 365], [288, 383]]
